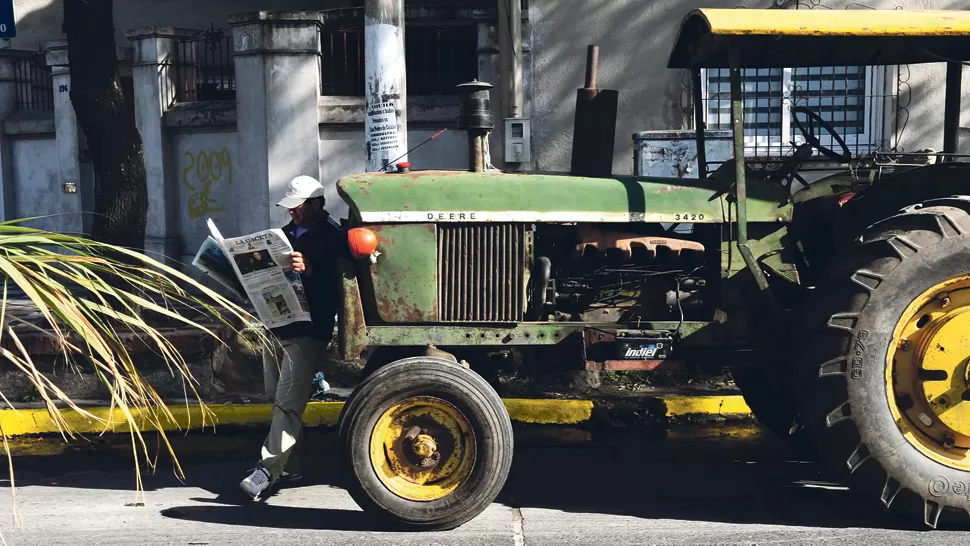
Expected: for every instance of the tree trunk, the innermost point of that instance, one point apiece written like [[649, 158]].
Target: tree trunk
[[120, 190]]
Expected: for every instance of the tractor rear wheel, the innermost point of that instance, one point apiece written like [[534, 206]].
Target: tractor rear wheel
[[885, 385], [427, 444]]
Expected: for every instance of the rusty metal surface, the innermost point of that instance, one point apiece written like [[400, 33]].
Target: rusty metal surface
[[423, 448], [592, 65], [481, 269], [549, 333], [450, 336], [635, 365], [352, 330], [440, 440], [404, 278], [591, 237]]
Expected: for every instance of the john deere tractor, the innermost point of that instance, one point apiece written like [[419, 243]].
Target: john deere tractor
[[842, 304]]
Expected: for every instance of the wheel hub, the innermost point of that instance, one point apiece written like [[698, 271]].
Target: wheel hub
[[423, 448], [929, 378]]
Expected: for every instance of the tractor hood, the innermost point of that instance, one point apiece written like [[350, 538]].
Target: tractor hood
[[463, 196]]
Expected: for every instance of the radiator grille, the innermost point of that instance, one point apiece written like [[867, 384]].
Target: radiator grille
[[481, 273]]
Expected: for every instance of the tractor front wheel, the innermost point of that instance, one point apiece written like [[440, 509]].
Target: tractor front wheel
[[427, 444], [885, 384]]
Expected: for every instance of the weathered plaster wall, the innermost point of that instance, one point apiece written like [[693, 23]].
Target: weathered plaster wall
[[342, 153], [208, 184], [635, 39], [37, 185]]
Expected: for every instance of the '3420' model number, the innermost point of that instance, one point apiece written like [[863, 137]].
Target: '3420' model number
[[687, 217]]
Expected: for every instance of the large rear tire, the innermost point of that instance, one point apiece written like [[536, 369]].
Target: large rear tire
[[427, 444], [883, 364]]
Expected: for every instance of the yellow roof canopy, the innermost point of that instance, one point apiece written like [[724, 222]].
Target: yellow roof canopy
[[779, 38]]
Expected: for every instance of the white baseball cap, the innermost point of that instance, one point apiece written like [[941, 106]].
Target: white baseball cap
[[299, 190]]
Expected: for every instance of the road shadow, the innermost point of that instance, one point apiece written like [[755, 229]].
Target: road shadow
[[277, 517], [718, 477], [757, 480]]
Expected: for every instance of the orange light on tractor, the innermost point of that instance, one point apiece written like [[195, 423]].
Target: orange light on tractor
[[363, 242]]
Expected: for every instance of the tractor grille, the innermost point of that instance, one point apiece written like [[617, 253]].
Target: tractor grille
[[480, 269]]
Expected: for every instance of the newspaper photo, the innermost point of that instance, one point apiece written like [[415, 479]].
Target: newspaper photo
[[212, 260], [258, 266]]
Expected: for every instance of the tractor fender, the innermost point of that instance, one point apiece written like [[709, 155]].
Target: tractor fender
[[892, 194]]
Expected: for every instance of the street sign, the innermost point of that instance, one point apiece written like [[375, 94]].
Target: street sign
[[8, 24]]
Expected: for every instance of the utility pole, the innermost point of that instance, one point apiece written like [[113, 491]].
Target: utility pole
[[385, 84], [516, 129], [510, 56]]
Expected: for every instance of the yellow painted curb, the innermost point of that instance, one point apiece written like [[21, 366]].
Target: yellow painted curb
[[325, 414], [679, 406], [548, 412]]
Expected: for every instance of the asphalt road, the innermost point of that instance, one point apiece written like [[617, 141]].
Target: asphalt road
[[715, 486]]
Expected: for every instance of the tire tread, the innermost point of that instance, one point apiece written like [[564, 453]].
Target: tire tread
[[860, 271]]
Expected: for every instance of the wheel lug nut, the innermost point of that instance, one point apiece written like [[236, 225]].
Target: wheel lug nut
[[903, 344], [944, 300], [948, 440], [427, 462]]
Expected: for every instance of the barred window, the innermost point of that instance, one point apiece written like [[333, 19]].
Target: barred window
[[438, 58], [851, 99]]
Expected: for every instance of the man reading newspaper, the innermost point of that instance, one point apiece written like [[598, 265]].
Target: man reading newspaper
[[317, 242]]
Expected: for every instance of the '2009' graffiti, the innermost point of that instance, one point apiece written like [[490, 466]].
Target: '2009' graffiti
[[209, 168]]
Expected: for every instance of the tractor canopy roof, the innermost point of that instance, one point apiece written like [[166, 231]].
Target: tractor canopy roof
[[783, 38]]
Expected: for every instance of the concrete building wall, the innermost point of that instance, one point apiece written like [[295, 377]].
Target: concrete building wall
[[635, 39], [342, 154], [208, 183], [37, 187]]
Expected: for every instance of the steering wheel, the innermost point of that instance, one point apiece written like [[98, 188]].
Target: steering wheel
[[810, 137]]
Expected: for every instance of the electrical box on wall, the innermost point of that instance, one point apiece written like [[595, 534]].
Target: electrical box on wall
[[518, 138]]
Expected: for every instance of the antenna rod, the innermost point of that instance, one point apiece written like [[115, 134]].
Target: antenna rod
[[389, 163]]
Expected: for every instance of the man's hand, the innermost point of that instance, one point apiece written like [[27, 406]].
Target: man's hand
[[296, 262]]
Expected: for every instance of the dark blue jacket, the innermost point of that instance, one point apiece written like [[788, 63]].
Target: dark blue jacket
[[320, 245]]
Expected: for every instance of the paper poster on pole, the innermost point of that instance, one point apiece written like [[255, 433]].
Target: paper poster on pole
[[382, 125]]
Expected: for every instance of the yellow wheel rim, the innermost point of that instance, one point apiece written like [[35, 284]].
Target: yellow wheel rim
[[927, 374], [423, 448]]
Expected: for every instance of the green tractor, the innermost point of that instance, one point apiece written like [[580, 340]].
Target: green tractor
[[842, 308]]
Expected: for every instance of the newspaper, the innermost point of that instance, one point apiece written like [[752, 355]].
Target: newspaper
[[252, 266]]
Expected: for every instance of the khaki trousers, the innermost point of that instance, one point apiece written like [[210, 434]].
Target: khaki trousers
[[288, 375]]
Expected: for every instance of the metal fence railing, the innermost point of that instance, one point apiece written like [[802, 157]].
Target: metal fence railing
[[438, 59], [34, 84], [203, 67], [342, 62]]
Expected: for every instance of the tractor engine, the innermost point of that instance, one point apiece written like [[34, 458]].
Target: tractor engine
[[604, 274]]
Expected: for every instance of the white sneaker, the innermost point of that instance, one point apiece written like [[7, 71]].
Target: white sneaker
[[256, 483]]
